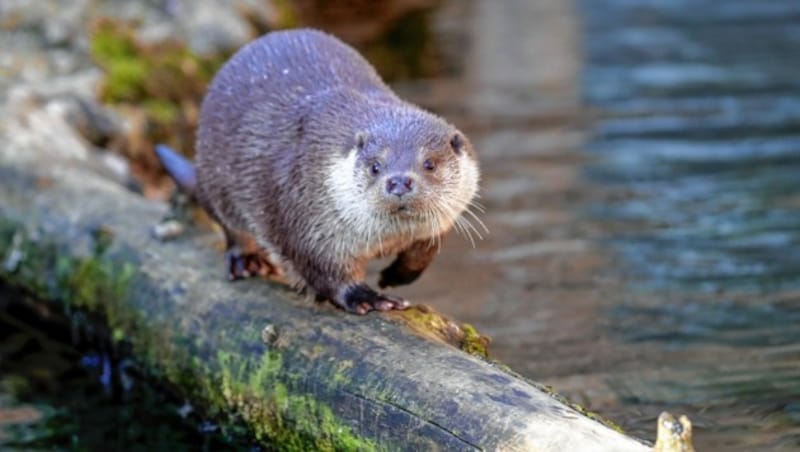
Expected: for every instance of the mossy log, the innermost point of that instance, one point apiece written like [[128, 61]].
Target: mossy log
[[299, 375]]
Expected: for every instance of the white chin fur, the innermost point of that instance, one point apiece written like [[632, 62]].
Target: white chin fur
[[366, 228]]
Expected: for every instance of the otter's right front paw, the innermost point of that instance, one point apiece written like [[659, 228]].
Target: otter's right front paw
[[361, 299], [397, 275]]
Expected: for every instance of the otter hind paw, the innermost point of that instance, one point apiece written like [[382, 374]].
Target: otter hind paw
[[244, 265]]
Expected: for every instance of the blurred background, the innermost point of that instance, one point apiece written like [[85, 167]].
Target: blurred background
[[641, 178]]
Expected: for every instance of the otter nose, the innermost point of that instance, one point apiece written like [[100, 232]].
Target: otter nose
[[399, 185]]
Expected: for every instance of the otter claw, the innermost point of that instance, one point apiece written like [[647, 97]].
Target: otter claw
[[385, 303], [361, 300], [395, 303], [382, 304]]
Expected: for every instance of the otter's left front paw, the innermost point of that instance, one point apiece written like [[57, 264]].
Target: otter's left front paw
[[361, 299], [397, 275]]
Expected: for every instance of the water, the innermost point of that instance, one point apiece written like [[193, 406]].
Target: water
[[701, 131], [642, 183], [65, 388]]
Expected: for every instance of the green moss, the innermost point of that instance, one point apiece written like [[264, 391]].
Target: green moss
[[260, 393], [159, 85], [94, 282], [266, 374], [118, 335], [110, 43], [52, 272], [125, 80], [473, 342], [161, 110], [429, 323], [115, 49], [341, 375], [137, 72]]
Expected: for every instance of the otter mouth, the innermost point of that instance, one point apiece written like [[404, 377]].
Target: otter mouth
[[403, 211]]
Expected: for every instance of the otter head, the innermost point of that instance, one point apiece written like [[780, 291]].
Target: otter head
[[415, 174]]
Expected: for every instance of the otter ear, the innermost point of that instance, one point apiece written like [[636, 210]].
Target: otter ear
[[457, 143], [361, 141]]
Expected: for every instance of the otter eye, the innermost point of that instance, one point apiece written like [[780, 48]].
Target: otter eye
[[429, 165], [457, 143], [376, 168]]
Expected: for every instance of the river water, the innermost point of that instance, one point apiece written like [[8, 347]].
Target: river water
[[641, 168]]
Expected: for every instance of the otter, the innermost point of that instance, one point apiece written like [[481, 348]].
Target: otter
[[312, 166]]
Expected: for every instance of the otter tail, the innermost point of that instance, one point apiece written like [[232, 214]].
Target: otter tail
[[179, 167]]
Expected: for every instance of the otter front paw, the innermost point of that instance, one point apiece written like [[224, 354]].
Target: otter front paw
[[361, 299], [397, 275]]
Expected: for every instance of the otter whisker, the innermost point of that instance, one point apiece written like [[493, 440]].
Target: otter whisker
[[464, 208], [471, 213], [467, 232], [467, 224], [437, 233], [477, 205], [432, 220], [461, 224]]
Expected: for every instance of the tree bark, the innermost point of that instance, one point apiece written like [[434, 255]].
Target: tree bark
[[298, 374]]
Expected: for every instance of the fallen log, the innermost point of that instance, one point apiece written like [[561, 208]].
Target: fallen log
[[299, 375]]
